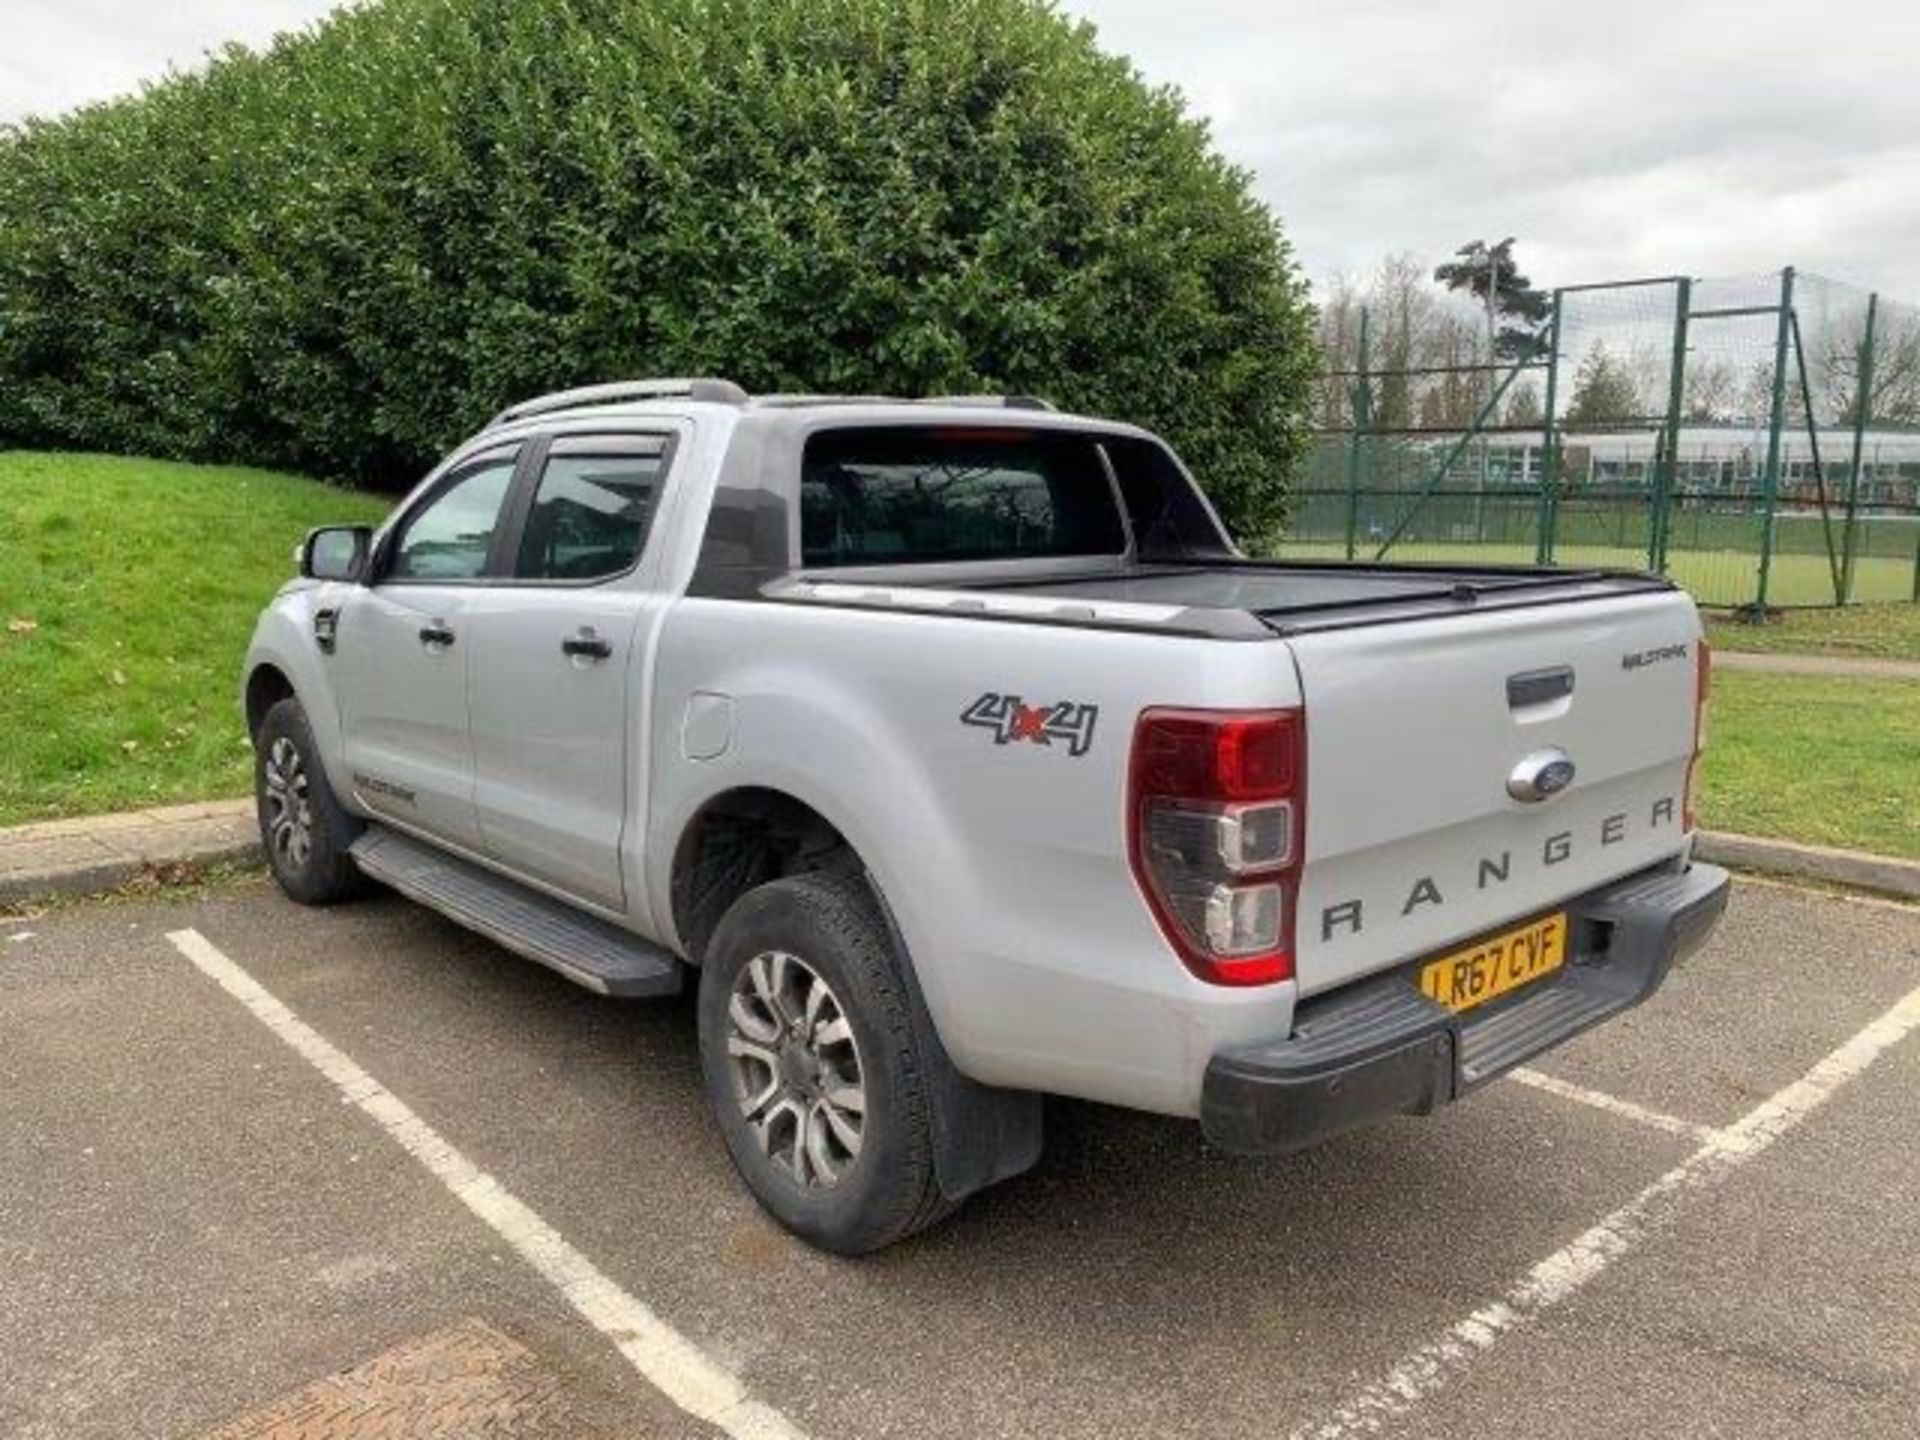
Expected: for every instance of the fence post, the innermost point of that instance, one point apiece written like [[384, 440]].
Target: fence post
[[1862, 418], [1770, 482], [1676, 403], [1549, 444], [1361, 403]]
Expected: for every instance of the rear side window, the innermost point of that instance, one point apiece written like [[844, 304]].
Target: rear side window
[[591, 508], [904, 495]]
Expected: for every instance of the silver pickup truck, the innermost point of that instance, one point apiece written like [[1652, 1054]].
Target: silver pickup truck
[[955, 753]]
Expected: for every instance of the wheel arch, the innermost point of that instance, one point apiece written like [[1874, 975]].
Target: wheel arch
[[743, 837], [267, 685], [748, 835]]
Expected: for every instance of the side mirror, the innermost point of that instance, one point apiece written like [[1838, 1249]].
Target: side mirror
[[335, 552]]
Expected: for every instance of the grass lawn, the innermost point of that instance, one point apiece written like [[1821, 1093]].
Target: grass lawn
[[1828, 762], [128, 589], [1886, 632]]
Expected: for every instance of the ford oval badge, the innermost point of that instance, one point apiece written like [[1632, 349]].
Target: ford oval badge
[[1540, 776]]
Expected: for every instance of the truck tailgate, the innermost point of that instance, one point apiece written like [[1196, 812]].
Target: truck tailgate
[[1414, 729]]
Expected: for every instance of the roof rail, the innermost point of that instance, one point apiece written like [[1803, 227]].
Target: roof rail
[[792, 400], [992, 402], [716, 392]]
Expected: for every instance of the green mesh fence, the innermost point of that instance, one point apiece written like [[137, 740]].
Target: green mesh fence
[[1756, 438]]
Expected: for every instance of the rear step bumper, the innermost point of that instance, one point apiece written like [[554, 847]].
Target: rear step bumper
[[1382, 1048]]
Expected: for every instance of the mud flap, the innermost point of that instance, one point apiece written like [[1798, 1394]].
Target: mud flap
[[982, 1134]]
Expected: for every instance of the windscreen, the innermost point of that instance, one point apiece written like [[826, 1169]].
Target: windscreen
[[911, 494]]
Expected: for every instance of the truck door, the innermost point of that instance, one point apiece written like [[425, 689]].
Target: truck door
[[556, 684], [401, 652]]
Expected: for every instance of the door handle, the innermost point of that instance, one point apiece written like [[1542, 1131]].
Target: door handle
[[436, 634], [586, 645]]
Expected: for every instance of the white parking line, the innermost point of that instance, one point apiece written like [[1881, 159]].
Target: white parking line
[[666, 1358], [1613, 1105], [1434, 1365]]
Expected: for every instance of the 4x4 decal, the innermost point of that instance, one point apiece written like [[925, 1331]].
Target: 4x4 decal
[[1012, 719]]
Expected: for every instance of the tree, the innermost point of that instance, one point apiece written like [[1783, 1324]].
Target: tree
[[1411, 328], [1339, 336], [344, 253], [1523, 405], [1755, 406], [1711, 392], [1452, 395], [1403, 314], [1895, 368], [1603, 390], [1516, 312], [1896, 371]]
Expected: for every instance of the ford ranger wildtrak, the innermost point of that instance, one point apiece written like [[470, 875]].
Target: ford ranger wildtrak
[[957, 756]]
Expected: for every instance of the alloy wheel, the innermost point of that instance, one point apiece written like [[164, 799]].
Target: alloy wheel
[[289, 808], [796, 1069]]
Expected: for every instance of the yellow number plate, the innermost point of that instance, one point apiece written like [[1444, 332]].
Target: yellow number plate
[[1496, 965]]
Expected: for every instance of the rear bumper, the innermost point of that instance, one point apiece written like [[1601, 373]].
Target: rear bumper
[[1382, 1048]]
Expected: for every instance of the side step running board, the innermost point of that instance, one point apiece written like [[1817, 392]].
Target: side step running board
[[586, 950]]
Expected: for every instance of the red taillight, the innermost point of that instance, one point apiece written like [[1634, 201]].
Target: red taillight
[[1216, 830], [1702, 684]]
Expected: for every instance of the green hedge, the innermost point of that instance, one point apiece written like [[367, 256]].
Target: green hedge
[[343, 254]]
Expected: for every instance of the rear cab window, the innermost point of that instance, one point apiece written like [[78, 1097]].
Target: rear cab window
[[922, 494]]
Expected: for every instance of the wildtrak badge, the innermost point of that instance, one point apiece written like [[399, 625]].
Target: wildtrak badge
[[374, 785], [1640, 659]]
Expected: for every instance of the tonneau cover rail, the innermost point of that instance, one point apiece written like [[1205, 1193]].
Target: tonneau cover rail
[[1112, 600]]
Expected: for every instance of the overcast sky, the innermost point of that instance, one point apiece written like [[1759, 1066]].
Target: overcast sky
[[1617, 138]]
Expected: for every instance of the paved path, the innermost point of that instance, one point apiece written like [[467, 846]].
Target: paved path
[[1865, 667], [103, 852]]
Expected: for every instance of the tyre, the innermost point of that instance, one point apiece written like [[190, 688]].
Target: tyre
[[303, 828], [811, 1066]]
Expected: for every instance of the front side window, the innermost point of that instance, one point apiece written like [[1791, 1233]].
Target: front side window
[[901, 495], [590, 511], [450, 536]]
